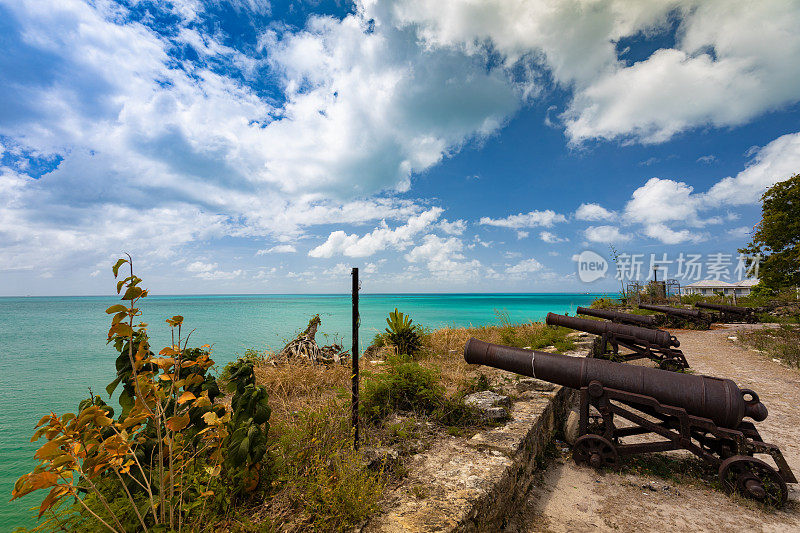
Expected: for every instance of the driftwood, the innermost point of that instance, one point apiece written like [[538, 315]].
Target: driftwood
[[304, 348]]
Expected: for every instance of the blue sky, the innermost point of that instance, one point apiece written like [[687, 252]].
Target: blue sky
[[442, 146]]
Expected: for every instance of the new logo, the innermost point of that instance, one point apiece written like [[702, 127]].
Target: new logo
[[591, 266]]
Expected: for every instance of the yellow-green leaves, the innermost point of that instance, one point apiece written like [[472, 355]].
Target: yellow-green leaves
[[117, 265], [116, 309], [134, 292]]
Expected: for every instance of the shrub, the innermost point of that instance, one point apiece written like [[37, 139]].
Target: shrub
[[156, 464], [320, 483], [405, 386], [405, 337], [603, 303]]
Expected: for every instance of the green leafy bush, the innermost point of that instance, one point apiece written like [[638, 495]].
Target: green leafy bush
[[405, 337], [319, 480], [405, 386], [603, 303]]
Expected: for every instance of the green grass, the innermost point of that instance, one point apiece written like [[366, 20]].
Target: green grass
[[782, 342]]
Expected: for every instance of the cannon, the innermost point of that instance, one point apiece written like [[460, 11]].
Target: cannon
[[654, 344], [644, 321], [692, 315], [668, 410], [731, 313]]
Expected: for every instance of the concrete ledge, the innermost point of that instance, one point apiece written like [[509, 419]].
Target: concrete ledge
[[470, 485]]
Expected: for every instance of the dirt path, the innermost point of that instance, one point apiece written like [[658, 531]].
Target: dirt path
[[572, 498]]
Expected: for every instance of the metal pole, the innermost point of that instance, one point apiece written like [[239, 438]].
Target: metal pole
[[354, 352]]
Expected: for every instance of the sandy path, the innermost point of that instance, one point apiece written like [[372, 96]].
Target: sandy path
[[572, 498]]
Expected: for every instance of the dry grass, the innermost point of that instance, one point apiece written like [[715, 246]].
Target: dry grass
[[319, 483], [782, 342]]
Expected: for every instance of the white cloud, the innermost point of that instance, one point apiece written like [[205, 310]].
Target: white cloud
[[742, 232], [456, 227], [139, 128], [378, 240], [707, 159], [522, 234], [338, 271], [211, 271], [605, 234], [721, 72], [526, 266], [279, 249], [665, 207], [443, 258], [663, 200], [777, 161], [525, 220], [594, 212], [667, 235], [551, 238]]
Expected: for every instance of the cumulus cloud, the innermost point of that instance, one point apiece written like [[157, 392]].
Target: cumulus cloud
[[379, 239], [126, 123], [532, 219], [777, 161], [443, 258], [667, 208], [211, 271], [662, 200], [721, 71], [456, 227], [526, 266], [605, 234], [551, 238], [665, 234], [279, 249], [594, 212]]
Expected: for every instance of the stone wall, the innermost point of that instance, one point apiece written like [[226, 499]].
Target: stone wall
[[471, 485]]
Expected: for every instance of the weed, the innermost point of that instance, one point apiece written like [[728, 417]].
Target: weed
[[782, 342], [320, 482]]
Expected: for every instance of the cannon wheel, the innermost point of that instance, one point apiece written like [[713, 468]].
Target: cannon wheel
[[595, 451], [754, 479]]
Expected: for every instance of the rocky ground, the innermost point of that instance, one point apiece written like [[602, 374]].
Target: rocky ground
[[571, 498]]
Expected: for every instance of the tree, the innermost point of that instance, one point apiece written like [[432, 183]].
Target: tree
[[777, 235]]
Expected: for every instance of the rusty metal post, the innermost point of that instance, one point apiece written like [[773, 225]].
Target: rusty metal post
[[354, 356]]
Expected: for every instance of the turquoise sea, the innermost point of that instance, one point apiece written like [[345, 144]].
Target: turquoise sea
[[53, 348]]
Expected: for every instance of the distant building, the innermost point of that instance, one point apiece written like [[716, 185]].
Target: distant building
[[710, 287]]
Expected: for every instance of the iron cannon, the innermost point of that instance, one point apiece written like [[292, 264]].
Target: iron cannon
[[692, 315], [702, 414], [655, 344], [645, 321], [731, 313]]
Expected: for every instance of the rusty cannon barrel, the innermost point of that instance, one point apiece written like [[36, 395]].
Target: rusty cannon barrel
[[675, 311], [658, 337], [714, 398], [616, 316], [732, 309]]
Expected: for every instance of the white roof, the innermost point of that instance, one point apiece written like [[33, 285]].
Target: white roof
[[710, 283], [747, 283]]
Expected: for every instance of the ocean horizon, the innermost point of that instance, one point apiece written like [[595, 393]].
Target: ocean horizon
[[53, 348]]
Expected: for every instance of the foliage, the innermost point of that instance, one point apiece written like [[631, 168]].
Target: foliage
[[248, 428], [603, 303], [534, 338], [320, 483], [408, 386], [405, 337], [156, 466], [777, 235], [782, 342], [405, 386]]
